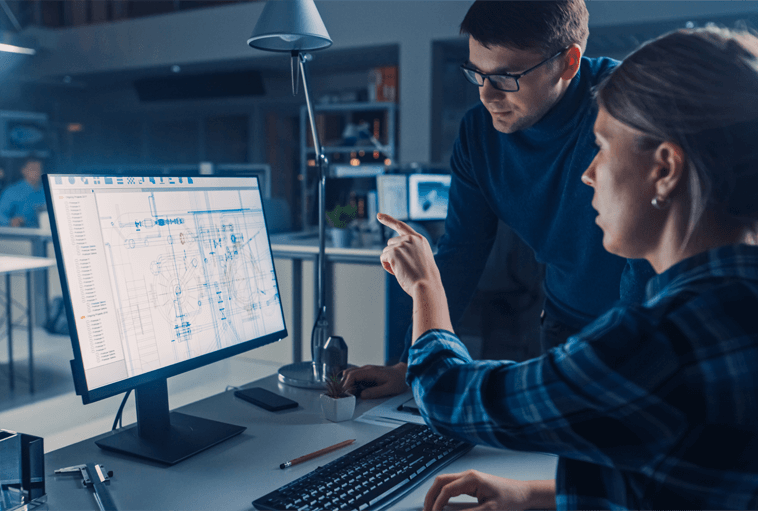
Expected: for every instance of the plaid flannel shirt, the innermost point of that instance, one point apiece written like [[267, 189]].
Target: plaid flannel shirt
[[651, 406]]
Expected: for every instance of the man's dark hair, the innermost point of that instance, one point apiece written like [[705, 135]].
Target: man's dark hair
[[545, 26]]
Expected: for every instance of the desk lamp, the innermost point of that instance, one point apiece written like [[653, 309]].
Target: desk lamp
[[295, 27]]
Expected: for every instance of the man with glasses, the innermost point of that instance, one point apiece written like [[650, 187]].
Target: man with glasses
[[518, 158]]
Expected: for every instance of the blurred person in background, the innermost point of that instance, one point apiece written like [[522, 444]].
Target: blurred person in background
[[21, 202]]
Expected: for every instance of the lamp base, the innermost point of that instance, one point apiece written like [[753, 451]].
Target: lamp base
[[300, 374]]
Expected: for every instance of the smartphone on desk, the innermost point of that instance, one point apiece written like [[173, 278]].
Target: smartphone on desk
[[266, 399], [410, 406]]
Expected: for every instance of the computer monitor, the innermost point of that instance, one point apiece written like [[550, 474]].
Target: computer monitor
[[392, 194], [161, 275], [414, 197], [428, 196], [23, 134]]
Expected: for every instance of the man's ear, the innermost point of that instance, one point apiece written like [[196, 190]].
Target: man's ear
[[571, 61], [669, 168]]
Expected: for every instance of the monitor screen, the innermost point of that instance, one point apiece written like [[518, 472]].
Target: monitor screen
[[188, 264], [161, 274], [392, 194], [428, 196]]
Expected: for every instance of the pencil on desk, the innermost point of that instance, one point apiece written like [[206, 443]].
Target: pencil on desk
[[312, 455]]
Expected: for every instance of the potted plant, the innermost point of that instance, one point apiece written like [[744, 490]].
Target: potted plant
[[339, 220], [337, 403]]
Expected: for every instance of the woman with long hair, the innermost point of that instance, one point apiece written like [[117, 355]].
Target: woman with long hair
[[651, 406]]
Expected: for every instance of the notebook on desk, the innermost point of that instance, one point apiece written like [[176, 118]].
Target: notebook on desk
[[393, 412]]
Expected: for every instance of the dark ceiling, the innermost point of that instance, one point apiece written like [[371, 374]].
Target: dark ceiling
[[69, 13], [271, 65]]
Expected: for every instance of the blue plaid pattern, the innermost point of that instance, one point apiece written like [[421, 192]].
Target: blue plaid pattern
[[651, 406]]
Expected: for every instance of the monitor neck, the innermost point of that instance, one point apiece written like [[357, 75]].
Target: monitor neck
[[151, 400]]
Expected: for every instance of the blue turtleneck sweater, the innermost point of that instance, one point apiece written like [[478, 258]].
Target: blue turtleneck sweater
[[530, 180]]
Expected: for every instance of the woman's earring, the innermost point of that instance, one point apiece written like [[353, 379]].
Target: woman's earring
[[661, 203]]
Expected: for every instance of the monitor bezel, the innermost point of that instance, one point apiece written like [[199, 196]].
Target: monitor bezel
[[112, 389]]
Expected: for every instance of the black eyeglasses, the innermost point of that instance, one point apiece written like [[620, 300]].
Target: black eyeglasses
[[505, 82]]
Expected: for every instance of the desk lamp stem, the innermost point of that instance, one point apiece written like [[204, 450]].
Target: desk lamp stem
[[320, 333]]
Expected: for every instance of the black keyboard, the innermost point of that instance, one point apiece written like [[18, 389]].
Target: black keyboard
[[371, 477]]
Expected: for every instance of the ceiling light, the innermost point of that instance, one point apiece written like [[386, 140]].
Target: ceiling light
[[10, 48], [14, 43]]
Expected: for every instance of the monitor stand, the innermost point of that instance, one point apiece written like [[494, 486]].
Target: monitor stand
[[163, 436]]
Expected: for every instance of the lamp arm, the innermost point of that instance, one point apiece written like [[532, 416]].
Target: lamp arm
[[321, 328], [305, 57]]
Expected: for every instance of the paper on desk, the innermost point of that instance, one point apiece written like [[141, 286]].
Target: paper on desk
[[387, 413]]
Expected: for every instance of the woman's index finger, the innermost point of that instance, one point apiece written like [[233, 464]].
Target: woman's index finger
[[397, 225]]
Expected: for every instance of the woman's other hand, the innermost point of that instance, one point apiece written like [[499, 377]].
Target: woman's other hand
[[490, 491]]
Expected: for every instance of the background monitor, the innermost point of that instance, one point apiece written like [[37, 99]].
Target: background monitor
[[428, 196], [392, 194], [414, 197], [161, 275], [23, 134]]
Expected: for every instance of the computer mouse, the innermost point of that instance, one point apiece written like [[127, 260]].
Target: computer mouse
[[360, 385]]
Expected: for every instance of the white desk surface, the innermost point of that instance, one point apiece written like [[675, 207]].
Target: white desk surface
[[308, 244], [232, 474], [23, 232], [11, 264]]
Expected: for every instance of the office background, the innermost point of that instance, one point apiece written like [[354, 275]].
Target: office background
[[124, 83]]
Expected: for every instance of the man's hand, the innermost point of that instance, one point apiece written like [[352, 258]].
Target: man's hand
[[390, 380], [17, 221], [490, 491]]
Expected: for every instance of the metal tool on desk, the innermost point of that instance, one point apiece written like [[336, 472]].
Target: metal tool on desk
[[95, 476], [22, 471]]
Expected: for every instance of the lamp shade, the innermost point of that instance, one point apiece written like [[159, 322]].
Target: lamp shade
[[290, 25]]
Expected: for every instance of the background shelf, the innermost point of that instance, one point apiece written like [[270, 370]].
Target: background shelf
[[331, 121]]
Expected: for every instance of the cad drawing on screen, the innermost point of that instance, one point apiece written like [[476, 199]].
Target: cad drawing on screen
[[186, 275]]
